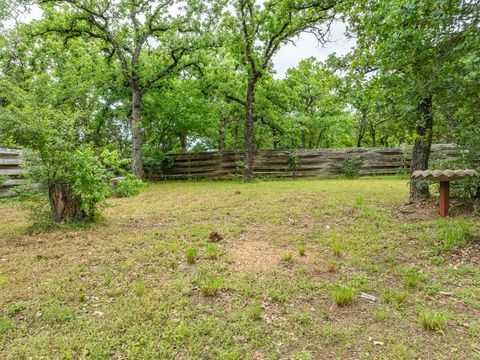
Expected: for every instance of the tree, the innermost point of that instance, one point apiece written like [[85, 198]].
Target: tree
[[257, 32], [412, 49], [148, 41]]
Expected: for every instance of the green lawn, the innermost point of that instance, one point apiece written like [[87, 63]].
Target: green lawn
[[146, 282]]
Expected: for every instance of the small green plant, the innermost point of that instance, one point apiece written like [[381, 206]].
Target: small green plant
[[455, 234], [380, 315], [333, 266], [359, 201], [431, 320], [191, 255], [6, 325], [57, 314], [437, 260], [211, 286], [301, 250], [349, 167], [395, 296], [139, 288], [344, 295], [412, 278], [213, 251], [337, 249], [293, 163], [288, 257], [129, 186], [15, 308], [256, 311]]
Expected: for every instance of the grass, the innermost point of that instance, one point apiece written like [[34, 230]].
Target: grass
[[124, 287], [431, 320], [191, 255], [344, 296]]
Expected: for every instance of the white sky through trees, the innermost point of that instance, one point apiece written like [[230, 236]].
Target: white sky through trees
[[290, 55]]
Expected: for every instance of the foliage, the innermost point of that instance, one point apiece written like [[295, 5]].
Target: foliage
[[129, 186], [211, 285], [349, 167]]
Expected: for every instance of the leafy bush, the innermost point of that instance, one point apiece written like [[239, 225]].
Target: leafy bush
[[129, 186], [293, 162], [349, 167]]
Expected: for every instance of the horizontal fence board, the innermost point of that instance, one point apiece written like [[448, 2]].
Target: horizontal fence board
[[274, 163]]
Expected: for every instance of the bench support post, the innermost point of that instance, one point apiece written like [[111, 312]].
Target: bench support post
[[444, 198]]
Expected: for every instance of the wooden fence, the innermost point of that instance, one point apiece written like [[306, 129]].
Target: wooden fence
[[275, 163], [10, 171], [268, 163]]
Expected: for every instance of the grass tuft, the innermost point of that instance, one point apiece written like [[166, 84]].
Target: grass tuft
[[6, 325], [191, 255], [344, 296], [213, 251], [337, 249], [288, 257], [255, 312], [412, 278], [57, 314], [431, 320], [301, 250], [211, 286]]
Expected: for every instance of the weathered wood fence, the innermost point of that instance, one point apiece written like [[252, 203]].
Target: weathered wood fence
[[268, 163], [10, 171], [275, 163]]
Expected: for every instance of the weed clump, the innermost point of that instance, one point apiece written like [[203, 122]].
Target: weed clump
[[344, 296], [431, 320], [191, 255], [211, 286]]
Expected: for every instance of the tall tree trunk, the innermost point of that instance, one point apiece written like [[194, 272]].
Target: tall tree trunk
[[250, 118], [183, 143], [137, 130], [221, 134], [373, 134], [421, 149], [319, 138]]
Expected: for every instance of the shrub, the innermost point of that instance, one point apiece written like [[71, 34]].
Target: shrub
[[344, 296], [191, 255], [129, 186], [211, 286], [293, 162], [349, 167], [432, 321]]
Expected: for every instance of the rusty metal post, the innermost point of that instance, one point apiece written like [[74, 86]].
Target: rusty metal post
[[444, 198]]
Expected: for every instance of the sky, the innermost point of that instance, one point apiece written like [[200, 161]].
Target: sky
[[290, 55]]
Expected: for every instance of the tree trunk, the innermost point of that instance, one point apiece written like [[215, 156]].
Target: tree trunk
[[183, 143], [421, 149], [373, 134], [221, 135], [137, 131], [64, 204], [249, 110]]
